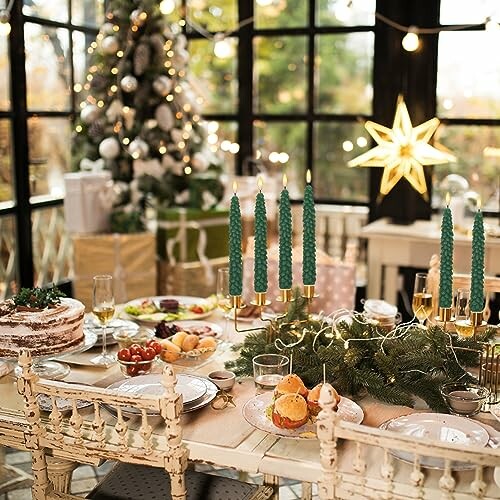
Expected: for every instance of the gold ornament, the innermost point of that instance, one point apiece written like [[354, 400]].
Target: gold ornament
[[403, 151]]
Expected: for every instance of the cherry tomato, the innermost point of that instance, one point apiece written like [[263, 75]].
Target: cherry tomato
[[145, 367], [132, 370], [136, 349], [197, 309], [124, 354], [156, 346], [136, 358], [148, 354]]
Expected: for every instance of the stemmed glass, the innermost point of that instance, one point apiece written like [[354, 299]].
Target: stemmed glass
[[422, 299], [223, 297], [463, 325], [103, 307]]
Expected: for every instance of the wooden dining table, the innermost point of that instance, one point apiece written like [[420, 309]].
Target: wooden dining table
[[219, 437]]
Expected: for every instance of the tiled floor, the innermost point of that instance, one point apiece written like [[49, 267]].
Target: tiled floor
[[86, 477]]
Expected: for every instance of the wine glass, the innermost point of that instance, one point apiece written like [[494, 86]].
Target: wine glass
[[103, 308], [422, 299], [463, 326], [223, 297]]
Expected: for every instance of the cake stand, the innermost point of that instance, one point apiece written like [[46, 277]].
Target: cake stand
[[46, 367]]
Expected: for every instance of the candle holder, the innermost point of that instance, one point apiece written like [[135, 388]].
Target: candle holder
[[286, 295], [309, 292], [444, 315], [489, 371], [476, 320]]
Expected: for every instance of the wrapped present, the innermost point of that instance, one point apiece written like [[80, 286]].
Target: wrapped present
[[129, 258], [86, 206], [335, 284]]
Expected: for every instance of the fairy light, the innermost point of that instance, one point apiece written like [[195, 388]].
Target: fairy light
[[169, 98], [347, 146], [116, 27], [167, 64], [186, 158], [170, 53], [114, 71], [187, 107], [178, 115], [223, 49], [181, 144], [361, 141], [167, 7], [78, 128], [113, 88], [90, 78], [171, 71], [77, 87], [187, 170], [410, 41], [178, 89], [185, 136], [162, 150], [100, 104], [126, 141], [119, 53], [234, 148]]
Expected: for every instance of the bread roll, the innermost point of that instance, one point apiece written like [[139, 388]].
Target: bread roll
[[190, 342], [178, 338], [291, 384], [290, 411], [170, 352], [207, 343], [313, 399]]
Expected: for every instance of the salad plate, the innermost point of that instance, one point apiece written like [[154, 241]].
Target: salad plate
[[148, 310], [257, 412]]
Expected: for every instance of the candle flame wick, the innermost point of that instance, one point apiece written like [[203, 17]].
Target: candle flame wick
[[260, 182], [235, 187], [308, 176], [448, 197], [285, 180]]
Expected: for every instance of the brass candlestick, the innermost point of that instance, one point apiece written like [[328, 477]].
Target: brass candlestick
[[476, 319], [237, 303], [286, 295], [444, 315], [489, 371]]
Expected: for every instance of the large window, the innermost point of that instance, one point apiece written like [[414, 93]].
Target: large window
[[298, 93], [468, 99]]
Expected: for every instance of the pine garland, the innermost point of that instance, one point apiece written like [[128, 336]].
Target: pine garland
[[361, 358]]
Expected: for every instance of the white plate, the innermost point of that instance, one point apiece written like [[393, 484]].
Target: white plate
[[154, 318], [212, 390], [111, 327], [439, 427], [254, 413]]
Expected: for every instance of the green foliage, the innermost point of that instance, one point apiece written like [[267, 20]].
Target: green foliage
[[38, 298], [285, 241], [446, 265], [361, 358], [235, 257], [260, 250], [477, 267], [126, 222]]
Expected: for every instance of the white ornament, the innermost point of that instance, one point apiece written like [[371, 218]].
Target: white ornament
[[88, 165], [114, 110], [109, 148], [138, 148], [162, 85], [164, 117], [138, 17], [89, 113], [148, 167], [110, 45], [199, 162], [129, 83], [176, 134], [107, 29]]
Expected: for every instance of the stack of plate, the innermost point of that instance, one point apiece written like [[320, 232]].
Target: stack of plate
[[91, 325], [197, 392]]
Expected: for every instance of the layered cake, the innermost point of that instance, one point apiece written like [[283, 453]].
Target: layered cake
[[45, 326]]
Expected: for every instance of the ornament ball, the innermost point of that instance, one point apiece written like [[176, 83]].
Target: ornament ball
[[110, 45], [138, 148], [162, 85], [129, 83], [89, 113], [109, 148], [138, 17]]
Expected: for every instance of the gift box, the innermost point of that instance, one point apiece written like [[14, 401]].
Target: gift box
[[129, 258], [86, 209], [335, 283], [191, 235]]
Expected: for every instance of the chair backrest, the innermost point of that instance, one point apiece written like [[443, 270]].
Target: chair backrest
[[358, 462], [491, 286], [91, 432]]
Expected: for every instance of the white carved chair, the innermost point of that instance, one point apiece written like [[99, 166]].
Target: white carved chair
[[356, 462], [491, 286], [149, 465]]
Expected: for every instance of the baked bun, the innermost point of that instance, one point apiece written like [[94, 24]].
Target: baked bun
[[291, 384], [170, 352], [206, 343], [178, 338], [290, 411], [313, 399], [190, 342]]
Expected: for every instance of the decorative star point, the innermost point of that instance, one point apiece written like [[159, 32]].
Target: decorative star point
[[403, 151]]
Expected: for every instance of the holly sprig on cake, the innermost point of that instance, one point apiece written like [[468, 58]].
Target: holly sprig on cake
[[38, 298]]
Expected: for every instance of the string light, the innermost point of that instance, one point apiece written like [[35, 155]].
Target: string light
[[167, 7], [410, 41], [223, 49]]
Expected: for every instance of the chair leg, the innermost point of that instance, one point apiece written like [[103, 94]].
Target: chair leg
[[40, 477], [178, 486], [60, 473], [274, 483]]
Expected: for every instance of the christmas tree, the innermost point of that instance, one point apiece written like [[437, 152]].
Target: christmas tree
[[141, 119]]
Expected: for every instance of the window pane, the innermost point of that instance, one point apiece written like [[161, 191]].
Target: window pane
[[213, 15], [280, 74], [8, 257], [344, 76], [87, 12], [218, 83], [225, 134], [288, 14], [47, 68], [477, 149], [51, 246], [467, 80], [49, 147], [467, 12], [55, 10], [281, 148], [81, 61], [6, 180], [4, 74], [334, 145], [345, 12]]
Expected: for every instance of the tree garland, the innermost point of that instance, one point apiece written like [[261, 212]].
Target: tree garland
[[361, 358]]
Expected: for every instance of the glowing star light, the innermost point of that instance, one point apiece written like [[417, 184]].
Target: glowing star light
[[403, 151]]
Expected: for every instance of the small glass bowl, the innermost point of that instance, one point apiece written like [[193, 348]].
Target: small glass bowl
[[223, 379], [134, 368], [464, 399], [126, 337]]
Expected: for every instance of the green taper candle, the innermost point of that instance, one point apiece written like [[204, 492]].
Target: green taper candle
[[285, 239], [446, 266], [235, 258], [309, 235], [260, 248], [477, 268]]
